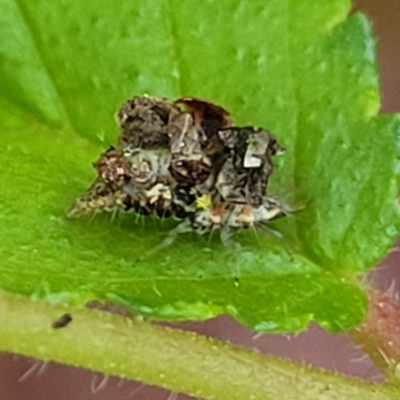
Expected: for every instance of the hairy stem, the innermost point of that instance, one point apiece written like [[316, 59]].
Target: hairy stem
[[177, 360], [379, 334]]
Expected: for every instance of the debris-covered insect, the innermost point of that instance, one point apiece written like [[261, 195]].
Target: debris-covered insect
[[186, 159]]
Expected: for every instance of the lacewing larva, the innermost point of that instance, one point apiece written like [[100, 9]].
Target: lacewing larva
[[185, 159]]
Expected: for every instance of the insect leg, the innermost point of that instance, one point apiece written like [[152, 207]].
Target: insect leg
[[226, 238], [183, 227]]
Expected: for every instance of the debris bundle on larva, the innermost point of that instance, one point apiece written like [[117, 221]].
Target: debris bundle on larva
[[185, 159]]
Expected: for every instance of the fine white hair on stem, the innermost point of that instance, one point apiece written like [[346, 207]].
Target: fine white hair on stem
[[32, 369], [395, 249], [392, 290], [96, 386], [172, 396], [257, 335], [262, 334], [136, 390], [360, 359], [42, 368], [389, 362], [376, 377], [356, 353]]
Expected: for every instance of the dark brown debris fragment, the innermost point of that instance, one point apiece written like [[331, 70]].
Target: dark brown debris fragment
[[244, 175], [62, 322], [113, 167], [144, 123]]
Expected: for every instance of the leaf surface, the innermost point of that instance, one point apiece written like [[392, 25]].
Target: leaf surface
[[305, 71]]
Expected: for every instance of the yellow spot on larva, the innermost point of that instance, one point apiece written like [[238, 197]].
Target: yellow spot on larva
[[204, 202]]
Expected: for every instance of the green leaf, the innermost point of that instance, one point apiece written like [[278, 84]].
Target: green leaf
[[304, 70]]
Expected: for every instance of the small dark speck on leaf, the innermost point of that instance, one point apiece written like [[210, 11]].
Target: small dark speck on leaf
[[62, 322]]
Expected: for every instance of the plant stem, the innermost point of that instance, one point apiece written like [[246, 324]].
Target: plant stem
[[177, 360], [379, 334]]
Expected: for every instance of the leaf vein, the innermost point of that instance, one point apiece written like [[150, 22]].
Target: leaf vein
[[30, 29], [175, 50], [295, 106]]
